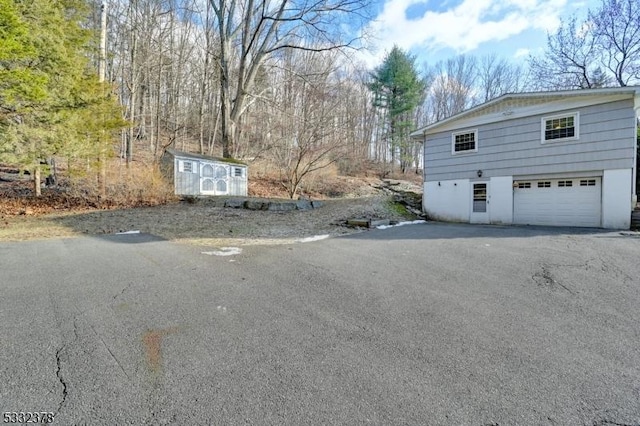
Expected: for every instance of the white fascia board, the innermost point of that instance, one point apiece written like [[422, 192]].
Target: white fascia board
[[425, 130], [546, 108], [572, 99]]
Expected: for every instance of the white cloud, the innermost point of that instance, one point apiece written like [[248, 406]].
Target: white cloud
[[522, 53], [463, 27]]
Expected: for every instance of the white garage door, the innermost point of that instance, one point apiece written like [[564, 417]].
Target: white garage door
[[558, 202]]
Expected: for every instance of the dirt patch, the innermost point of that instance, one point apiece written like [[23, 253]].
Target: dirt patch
[[64, 212], [203, 223]]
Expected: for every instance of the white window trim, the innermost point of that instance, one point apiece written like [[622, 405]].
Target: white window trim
[[468, 151], [576, 125], [181, 166]]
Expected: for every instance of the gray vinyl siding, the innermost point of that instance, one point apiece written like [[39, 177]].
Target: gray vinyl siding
[[513, 147], [187, 183], [238, 185]]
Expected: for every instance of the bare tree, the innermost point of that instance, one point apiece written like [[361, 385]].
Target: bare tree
[[600, 51], [570, 60], [452, 87], [250, 32], [616, 27], [496, 76], [306, 135]]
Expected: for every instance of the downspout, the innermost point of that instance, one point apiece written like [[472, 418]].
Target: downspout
[[424, 171], [636, 108]]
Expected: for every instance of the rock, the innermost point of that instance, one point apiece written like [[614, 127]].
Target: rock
[[234, 203], [359, 222], [256, 205], [316, 204], [283, 206], [304, 205], [368, 223]]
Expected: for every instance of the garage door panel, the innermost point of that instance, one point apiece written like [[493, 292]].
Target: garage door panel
[[558, 202]]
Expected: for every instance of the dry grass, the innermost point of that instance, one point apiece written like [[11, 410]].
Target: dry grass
[[203, 223], [265, 181], [138, 185], [23, 228], [140, 199]]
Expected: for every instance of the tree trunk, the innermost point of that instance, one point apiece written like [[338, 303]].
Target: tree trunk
[[36, 181], [133, 89], [102, 164]]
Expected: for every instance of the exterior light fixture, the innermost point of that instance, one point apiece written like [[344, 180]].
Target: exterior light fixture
[[479, 172]]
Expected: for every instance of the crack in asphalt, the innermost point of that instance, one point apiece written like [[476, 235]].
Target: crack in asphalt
[[606, 422], [65, 391], [63, 382], [610, 268], [110, 352], [546, 279], [122, 291]]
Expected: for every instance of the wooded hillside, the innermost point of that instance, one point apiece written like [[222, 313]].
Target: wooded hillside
[[278, 82]]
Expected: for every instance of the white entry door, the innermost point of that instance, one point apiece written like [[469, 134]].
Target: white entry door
[[479, 202]]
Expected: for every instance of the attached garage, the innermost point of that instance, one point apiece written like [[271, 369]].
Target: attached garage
[[558, 202]]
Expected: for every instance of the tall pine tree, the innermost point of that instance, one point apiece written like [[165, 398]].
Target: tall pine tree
[[51, 103], [398, 90]]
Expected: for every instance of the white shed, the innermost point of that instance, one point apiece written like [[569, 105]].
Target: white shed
[[195, 174]]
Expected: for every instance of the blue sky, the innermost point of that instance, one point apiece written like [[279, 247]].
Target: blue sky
[[434, 30]]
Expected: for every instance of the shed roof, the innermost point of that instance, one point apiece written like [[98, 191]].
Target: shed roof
[[183, 154], [505, 104]]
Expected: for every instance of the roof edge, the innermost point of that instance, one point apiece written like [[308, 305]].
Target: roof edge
[[177, 153], [632, 90]]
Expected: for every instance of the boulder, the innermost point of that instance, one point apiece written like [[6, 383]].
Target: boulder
[[304, 205], [234, 203], [256, 205], [282, 206]]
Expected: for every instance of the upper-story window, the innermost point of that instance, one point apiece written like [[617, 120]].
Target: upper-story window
[[464, 142], [560, 127]]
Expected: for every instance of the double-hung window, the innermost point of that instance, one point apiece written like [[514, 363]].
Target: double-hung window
[[559, 128], [463, 142]]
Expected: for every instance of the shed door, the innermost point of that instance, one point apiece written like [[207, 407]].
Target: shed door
[[214, 179], [558, 202]]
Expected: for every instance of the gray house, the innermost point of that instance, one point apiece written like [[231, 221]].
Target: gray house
[[565, 158], [196, 175]]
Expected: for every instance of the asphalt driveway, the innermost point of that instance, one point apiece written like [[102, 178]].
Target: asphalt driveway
[[423, 324]]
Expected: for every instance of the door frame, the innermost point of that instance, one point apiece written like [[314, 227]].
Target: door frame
[[214, 179], [479, 217]]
